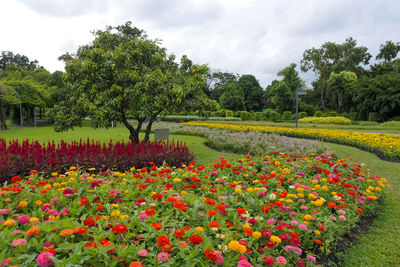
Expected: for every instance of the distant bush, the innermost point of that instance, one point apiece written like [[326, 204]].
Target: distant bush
[[244, 115], [326, 120], [251, 116], [179, 118], [373, 116], [353, 116], [302, 115], [229, 113], [332, 114], [286, 115], [257, 116], [318, 113], [390, 124], [345, 114], [274, 116]]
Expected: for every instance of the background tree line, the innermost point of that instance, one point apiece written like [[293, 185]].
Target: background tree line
[[125, 75]]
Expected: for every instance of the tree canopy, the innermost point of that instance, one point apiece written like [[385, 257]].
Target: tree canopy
[[125, 75]]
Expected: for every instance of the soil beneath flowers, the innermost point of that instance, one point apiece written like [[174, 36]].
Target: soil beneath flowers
[[336, 257]]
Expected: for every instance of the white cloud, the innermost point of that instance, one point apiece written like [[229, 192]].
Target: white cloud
[[240, 36]]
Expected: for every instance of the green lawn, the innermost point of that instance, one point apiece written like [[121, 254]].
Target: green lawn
[[379, 246]]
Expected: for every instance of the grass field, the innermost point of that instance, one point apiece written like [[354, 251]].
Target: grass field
[[379, 246]]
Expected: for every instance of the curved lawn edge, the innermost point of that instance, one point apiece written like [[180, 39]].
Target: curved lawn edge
[[374, 143], [377, 237]]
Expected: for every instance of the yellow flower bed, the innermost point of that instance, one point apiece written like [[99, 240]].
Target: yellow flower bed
[[384, 145], [326, 120]]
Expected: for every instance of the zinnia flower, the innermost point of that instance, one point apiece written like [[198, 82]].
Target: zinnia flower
[[163, 256], [281, 260], [44, 260], [19, 242]]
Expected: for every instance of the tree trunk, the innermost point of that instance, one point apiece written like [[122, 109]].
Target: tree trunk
[[3, 125], [340, 100], [148, 130], [133, 133]]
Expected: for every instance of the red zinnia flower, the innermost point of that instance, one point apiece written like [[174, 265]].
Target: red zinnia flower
[[91, 244], [150, 212], [179, 233], [195, 240], [241, 211], [119, 229], [84, 201], [214, 224], [156, 226], [269, 244], [89, 222]]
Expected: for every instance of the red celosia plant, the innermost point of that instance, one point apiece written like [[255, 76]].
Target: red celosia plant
[[17, 158]]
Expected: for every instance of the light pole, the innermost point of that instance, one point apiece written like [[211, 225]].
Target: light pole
[[299, 91]]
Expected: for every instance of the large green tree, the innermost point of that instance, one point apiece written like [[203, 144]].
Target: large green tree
[[253, 92], [342, 85], [388, 51], [233, 97], [216, 82], [8, 57], [123, 74], [291, 77], [332, 57], [281, 97]]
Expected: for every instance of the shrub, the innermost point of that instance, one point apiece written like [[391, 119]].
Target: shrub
[[214, 114], [229, 113], [236, 114], [257, 116], [251, 116], [244, 115], [345, 114], [274, 115], [390, 124], [353, 116], [373, 116], [326, 120], [19, 158], [332, 114], [302, 115], [318, 113], [222, 112], [208, 113], [286, 115]]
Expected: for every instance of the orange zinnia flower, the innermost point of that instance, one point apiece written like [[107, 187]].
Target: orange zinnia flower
[[66, 232], [33, 231]]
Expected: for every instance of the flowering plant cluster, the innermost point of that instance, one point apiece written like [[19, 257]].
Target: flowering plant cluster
[[326, 120], [384, 145], [18, 158], [253, 142], [273, 210]]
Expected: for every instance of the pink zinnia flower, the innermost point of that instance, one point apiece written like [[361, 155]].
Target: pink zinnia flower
[[342, 218], [143, 216], [271, 221], [311, 258], [143, 252], [5, 262], [281, 260], [54, 200], [162, 257], [5, 211], [23, 219], [19, 242], [44, 260], [303, 227], [244, 263]]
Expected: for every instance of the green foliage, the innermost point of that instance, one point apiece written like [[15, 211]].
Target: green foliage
[[244, 115], [388, 51], [287, 115], [229, 113], [233, 97], [216, 81], [353, 116], [326, 120], [282, 97], [373, 116], [302, 115], [342, 86], [274, 115], [257, 116], [332, 114], [291, 77], [122, 74], [318, 113], [252, 92], [8, 58], [390, 124]]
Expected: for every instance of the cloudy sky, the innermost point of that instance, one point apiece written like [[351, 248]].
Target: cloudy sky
[[258, 37]]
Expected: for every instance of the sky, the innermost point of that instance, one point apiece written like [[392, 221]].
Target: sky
[[258, 37]]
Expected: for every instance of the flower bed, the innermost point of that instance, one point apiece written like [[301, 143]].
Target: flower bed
[[326, 120], [18, 158], [255, 212], [384, 145], [249, 142]]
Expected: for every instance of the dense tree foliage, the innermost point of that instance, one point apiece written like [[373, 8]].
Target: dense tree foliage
[[123, 74], [233, 97], [253, 92]]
